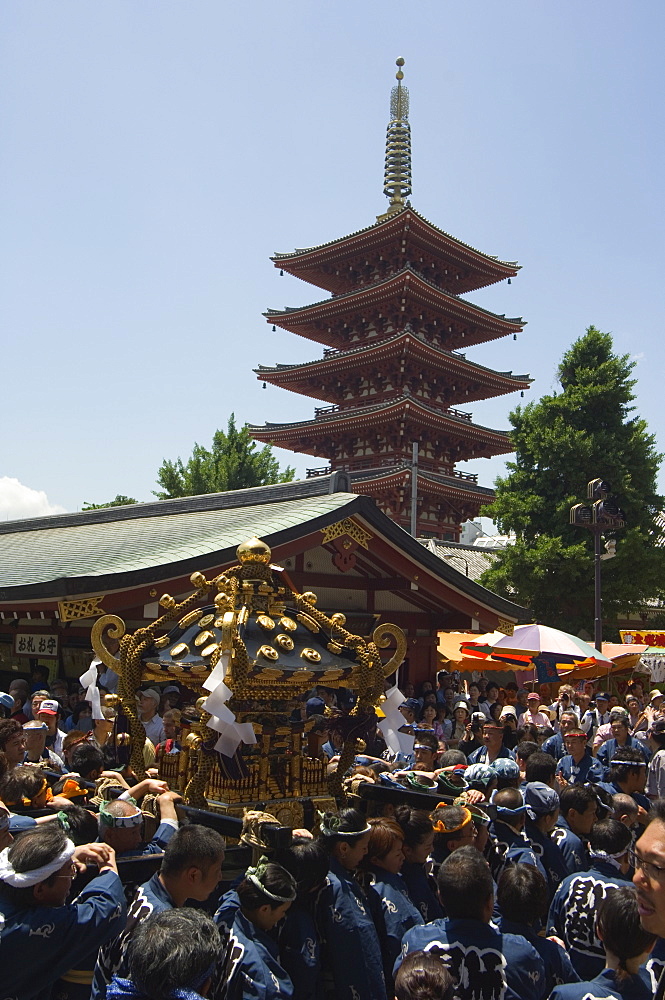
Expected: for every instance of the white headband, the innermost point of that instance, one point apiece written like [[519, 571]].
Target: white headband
[[23, 880]]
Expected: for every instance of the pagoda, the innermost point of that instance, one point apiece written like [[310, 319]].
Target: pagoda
[[392, 374]]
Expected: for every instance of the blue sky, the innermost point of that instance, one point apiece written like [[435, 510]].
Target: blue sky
[[156, 153]]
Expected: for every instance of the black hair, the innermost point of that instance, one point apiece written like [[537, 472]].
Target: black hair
[[610, 836], [449, 758], [540, 767], [275, 879], [524, 749], [192, 846], [346, 821], [87, 758], [21, 782], [172, 950], [415, 824], [33, 849], [79, 708], [8, 728], [491, 684], [522, 894], [465, 884], [428, 740], [626, 761], [527, 733], [308, 862], [452, 817], [619, 927], [80, 825], [424, 976], [576, 797]]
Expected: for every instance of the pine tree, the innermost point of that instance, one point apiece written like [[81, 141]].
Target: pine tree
[[586, 430], [232, 463]]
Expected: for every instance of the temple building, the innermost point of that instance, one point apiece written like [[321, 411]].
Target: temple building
[[392, 374]]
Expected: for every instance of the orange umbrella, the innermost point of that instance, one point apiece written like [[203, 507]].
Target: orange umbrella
[[451, 656]]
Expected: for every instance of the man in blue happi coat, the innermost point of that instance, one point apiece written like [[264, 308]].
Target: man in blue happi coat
[[121, 825], [191, 869], [507, 829], [493, 745], [42, 934], [573, 911], [485, 962], [628, 774], [648, 861], [621, 740], [577, 766], [556, 745], [578, 810], [523, 901], [542, 812]]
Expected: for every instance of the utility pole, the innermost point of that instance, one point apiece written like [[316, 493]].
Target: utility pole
[[414, 487], [604, 514]]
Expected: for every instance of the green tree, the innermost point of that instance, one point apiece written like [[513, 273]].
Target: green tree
[[586, 430], [232, 463], [120, 501]]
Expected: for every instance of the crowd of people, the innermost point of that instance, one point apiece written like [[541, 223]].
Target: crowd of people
[[530, 865]]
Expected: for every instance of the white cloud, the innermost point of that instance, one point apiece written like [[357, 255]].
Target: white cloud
[[19, 501]]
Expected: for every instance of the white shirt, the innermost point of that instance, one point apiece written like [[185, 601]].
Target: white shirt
[[154, 730], [656, 775], [594, 718]]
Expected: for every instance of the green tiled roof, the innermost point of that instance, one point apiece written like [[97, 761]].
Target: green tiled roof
[[65, 551]]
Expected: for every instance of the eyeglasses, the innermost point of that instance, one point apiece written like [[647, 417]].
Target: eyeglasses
[[73, 870], [655, 872]]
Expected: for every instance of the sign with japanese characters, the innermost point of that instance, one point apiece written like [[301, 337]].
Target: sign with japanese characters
[[35, 644], [643, 637]]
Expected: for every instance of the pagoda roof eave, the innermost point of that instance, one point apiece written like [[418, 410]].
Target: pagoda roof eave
[[390, 345], [332, 247], [440, 485], [378, 290], [368, 416]]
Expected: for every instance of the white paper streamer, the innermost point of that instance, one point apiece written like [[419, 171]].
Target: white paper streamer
[[394, 720], [88, 680], [222, 719]]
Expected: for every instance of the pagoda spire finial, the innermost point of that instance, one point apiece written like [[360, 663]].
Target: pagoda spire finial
[[397, 175]]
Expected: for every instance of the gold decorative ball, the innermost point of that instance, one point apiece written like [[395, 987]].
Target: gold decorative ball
[[111, 700], [123, 739], [197, 580], [193, 741], [400, 61], [199, 703], [166, 601], [253, 551], [338, 618], [310, 597]]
